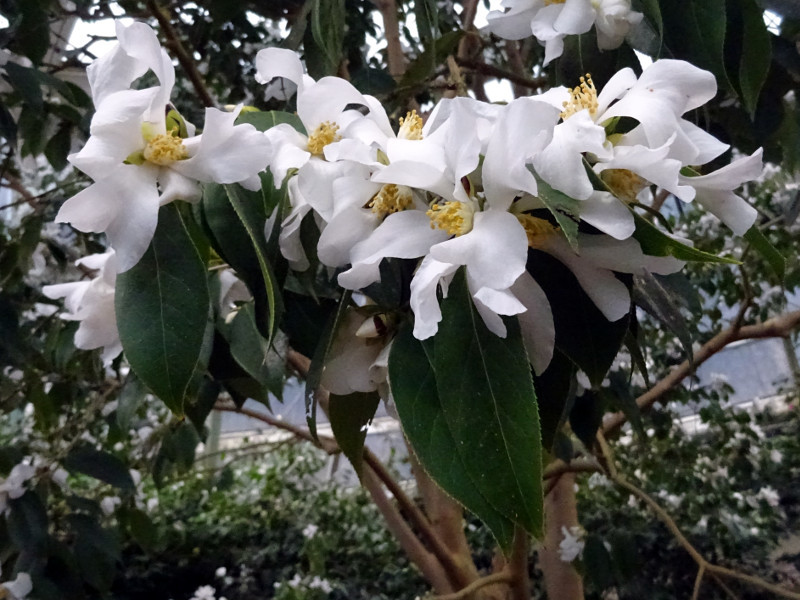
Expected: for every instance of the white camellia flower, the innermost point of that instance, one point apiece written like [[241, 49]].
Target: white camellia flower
[[550, 21], [92, 303], [142, 158], [13, 486], [17, 589]]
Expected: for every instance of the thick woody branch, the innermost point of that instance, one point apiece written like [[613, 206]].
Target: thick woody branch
[[174, 43], [395, 57], [780, 326], [477, 585]]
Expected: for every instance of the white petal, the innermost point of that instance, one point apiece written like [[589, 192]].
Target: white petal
[[494, 252], [20, 587], [175, 186], [280, 62], [604, 211], [424, 303], [624, 256], [349, 227], [348, 363]]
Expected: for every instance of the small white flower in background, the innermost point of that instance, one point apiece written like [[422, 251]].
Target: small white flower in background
[[205, 592], [310, 531], [572, 545], [770, 496], [598, 480], [317, 583], [92, 303], [220, 572], [14, 485], [109, 504], [776, 456]]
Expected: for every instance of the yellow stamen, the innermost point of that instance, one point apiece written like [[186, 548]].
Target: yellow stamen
[[391, 199], [453, 217], [410, 126], [164, 149], [583, 96], [324, 134], [538, 230], [625, 184]]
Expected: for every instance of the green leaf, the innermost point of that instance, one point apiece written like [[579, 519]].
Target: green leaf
[[32, 37], [100, 465], [304, 318], [328, 27], [27, 522], [586, 416], [652, 16], [324, 346], [487, 397], [140, 527], [694, 30], [253, 215], [428, 431], [129, 400], [350, 415], [427, 18], [96, 550], [253, 352], [768, 252], [566, 210], [555, 393], [657, 243], [25, 81], [58, 147], [598, 564], [756, 56], [163, 306], [263, 120], [663, 303], [582, 331]]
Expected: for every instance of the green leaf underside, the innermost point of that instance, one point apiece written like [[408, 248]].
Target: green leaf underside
[[486, 392], [424, 423], [263, 120], [563, 208], [349, 416], [657, 243], [774, 259], [756, 56], [252, 217], [163, 305]]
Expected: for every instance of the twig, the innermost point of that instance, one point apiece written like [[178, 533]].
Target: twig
[[15, 184], [659, 199], [496, 578], [724, 587], [580, 465], [702, 563], [698, 582], [780, 326], [487, 69], [186, 61], [515, 62]]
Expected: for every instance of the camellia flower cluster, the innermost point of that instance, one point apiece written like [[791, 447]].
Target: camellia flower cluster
[[487, 187]]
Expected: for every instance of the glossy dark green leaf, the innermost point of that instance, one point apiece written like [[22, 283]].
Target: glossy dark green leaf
[[756, 55], [694, 30], [263, 120], [427, 19], [96, 550], [657, 243], [304, 318], [25, 81], [486, 393], [27, 522], [253, 215], [163, 306], [252, 351], [129, 400], [428, 431], [32, 37], [314, 376], [328, 28], [58, 147], [100, 465], [582, 331], [349, 416], [656, 297], [140, 527], [769, 253], [177, 452], [586, 416], [566, 210], [555, 394]]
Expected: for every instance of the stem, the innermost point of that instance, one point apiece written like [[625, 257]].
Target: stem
[[518, 564], [174, 43], [698, 582], [476, 585], [561, 580]]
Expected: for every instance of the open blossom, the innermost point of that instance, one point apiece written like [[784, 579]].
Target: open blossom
[[13, 486], [143, 155], [550, 21], [92, 303], [572, 545]]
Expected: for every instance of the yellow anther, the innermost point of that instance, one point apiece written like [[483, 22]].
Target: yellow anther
[[453, 217], [625, 184], [324, 134], [164, 149], [391, 199], [537, 230], [410, 126], [583, 96]]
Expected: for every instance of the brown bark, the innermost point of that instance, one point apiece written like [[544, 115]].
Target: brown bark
[[561, 579]]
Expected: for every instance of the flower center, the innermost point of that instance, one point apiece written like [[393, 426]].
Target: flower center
[[624, 183], [583, 96], [453, 217], [324, 134], [391, 199], [538, 230], [410, 126], [164, 149]]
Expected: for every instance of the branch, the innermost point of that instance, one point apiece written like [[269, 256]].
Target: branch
[[487, 69], [476, 585], [702, 563], [395, 57], [174, 43], [780, 326], [16, 185]]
